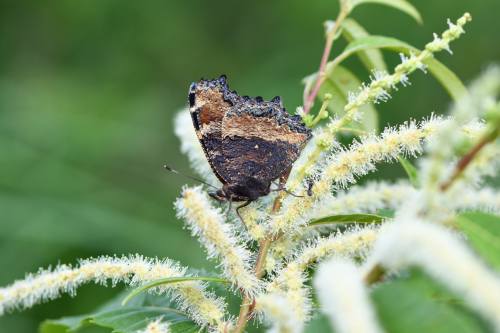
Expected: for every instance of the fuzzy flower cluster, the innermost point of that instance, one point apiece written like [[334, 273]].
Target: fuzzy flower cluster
[[443, 256], [204, 307], [253, 215], [297, 299], [355, 242], [446, 179], [218, 237], [280, 312], [483, 95], [345, 298], [346, 164], [369, 198], [288, 282], [295, 212], [376, 91], [384, 195], [157, 326], [415, 239]]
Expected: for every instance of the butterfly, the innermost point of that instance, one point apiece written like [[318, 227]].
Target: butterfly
[[248, 142]]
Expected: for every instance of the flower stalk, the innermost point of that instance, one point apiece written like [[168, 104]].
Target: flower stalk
[[322, 75], [202, 306], [468, 158]]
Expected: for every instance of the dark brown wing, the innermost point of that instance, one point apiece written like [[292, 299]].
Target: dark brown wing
[[260, 139], [208, 101]]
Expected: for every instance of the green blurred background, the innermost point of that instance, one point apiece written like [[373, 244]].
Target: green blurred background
[[88, 90]]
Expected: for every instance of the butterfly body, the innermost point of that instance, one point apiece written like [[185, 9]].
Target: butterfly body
[[251, 190], [248, 142]]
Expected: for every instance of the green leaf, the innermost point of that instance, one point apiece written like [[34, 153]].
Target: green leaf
[[65, 324], [386, 213], [402, 5], [483, 231], [338, 84], [220, 289], [319, 323], [160, 282], [139, 311], [446, 77], [133, 319], [348, 218], [124, 319], [372, 59], [411, 171], [418, 304]]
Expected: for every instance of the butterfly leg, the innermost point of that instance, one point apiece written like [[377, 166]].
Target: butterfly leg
[[230, 204], [237, 211], [311, 184], [280, 188]]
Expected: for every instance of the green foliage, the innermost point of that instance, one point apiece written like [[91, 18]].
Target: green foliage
[[386, 213], [446, 77], [132, 311], [164, 281], [339, 84], [483, 231], [347, 218], [135, 315], [88, 91], [401, 5], [372, 58], [411, 171], [341, 81], [318, 324], [417, 304]]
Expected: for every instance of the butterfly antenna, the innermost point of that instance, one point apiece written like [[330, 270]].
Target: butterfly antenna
[[177, 172]]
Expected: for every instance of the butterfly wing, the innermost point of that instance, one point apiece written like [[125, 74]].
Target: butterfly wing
[[260, 139], [207, 106]]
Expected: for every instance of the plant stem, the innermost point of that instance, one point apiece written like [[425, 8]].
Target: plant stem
[[319, 116], [307, 89], [277, 201], [347, 129], [243, 316], [467, 158], [326, 53], [312, 159], [266, 243], [264, 247], [376, 273], [258, 272], [246, 305]]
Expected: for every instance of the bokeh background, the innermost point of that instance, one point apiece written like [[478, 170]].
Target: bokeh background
[[88, 91]]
